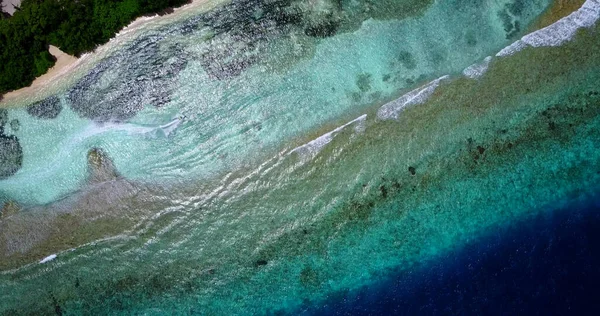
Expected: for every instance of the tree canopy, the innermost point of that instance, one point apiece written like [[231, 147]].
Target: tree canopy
[[74, 26]]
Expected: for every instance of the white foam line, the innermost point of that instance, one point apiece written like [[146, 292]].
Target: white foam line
[[131, 129], [140, 22], [475, 71], [171, 126], [559, 32], [315, 145], [48, 259], [392, 109]]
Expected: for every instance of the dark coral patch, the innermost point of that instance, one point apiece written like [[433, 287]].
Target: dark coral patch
[[326, 28], [15, 125], [49, 108], [383, 191], [412, 170], [3, 118], [407, 60], [363, 82], [120, 86], [309, 277], [516, 8], [511, 24], [11, 153], [118, 102], [11, 156]]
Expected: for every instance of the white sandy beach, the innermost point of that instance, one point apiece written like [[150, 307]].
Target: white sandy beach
[[68, 68], [64, 63], [8, 6]]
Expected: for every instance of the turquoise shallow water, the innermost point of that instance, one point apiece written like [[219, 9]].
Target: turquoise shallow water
[[219, 208], [294, 84]]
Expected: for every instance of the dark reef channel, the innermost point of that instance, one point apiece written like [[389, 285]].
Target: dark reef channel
[[546, 265]]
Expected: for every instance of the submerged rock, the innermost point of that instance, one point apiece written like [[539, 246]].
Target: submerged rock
[[244, 31], [407, 60], [120, 86], [3, 118], [510, 18], [15, 125], [412, 170], [11, 155], [113, 101], [49, 108], [363, 82], [325, 28], [100, 166]]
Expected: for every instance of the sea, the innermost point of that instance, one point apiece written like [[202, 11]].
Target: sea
[[294, 157]]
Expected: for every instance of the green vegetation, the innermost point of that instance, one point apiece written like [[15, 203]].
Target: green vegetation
[[74, 26]]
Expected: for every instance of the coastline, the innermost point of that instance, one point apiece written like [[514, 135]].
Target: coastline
[[423, 97], [8, 6], [521, 139], [68, 68], [64, 63], [439, 138]]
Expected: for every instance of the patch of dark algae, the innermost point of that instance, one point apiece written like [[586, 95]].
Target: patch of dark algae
[[3, 117], [48, 108], [11, 153]]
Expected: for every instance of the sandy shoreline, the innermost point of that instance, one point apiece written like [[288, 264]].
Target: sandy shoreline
[[68, 68], [8, 6], [64, 63]]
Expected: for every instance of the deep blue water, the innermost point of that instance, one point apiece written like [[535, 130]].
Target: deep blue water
[[547, 265]]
